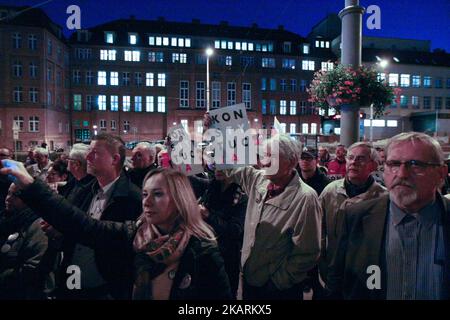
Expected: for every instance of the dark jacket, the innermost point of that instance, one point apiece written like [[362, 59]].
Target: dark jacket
[[137, 175], [21, 256], [73, 186], [318, 181], [115, 240], [200, 275], [124, 204], [227, 218], [361, 244]]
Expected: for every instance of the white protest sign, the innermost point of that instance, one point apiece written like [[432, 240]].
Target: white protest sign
[[184, 157], [232, 122]]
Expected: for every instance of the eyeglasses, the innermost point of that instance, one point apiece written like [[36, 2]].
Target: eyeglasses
[[357, 159], [415, 166]]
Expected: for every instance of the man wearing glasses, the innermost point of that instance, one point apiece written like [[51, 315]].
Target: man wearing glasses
[[402, 238], [358, 185]]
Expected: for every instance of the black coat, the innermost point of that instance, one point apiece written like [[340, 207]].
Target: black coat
[[115, 239], [124, 204], [137, 175], [361, 245], [227, 217], [22, 275], [200, 275], [318, 181]]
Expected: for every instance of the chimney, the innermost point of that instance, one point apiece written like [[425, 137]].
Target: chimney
[[161, 19], [281, 27], [254, 25], [196, 21], [224, 23], [132, 17]]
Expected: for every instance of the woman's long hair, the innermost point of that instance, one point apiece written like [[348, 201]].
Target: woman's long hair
[[189, 216]]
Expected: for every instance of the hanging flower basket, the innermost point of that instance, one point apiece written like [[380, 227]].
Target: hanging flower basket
[[349, 86]]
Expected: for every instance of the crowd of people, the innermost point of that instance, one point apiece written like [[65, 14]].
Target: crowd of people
[[367, 224]]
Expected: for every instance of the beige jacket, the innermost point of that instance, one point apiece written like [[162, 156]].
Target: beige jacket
[[282, 234], [333, 200]]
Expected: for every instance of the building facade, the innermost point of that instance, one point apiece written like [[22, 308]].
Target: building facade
[[34, 95]]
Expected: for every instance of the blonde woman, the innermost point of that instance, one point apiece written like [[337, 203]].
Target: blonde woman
[[175, 252]]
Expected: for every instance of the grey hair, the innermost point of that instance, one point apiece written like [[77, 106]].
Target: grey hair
[[436, 150], [151, 149], [288, 148], [41, 151], [79, 152], [372, 151]]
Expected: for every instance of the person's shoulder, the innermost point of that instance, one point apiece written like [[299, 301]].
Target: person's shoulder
[[332, 187], [368, 206]]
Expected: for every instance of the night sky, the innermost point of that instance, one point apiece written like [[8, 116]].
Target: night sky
[[409, 19]]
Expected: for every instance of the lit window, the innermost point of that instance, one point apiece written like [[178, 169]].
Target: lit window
[[392, 123], [393, 79], [327, 44], [305, 128], [127, 55], [126, 103], [180, 42], [114, 78], [151, 41], [217, 44], [173, 42], [238, 46], [317, 44], [101, 78], [77, 102], [416, 81], [184, 94], [228, 60], [230, 45], [109, 37], [244, 46], [149, 79], [250, 47], [305, 48], [101, 101], [103, 54], [187, 42], [114, 103], [161, 104], [283, 127], [308, 65], [292, 128], [137, 103], [427, 81], [136, 55], [247, 95], [313, 128], [282, 106], [161, 79], [149, 104], [133, 38], [293, 105], [158, 41], [165, 41], [113, 125], [404, 80]]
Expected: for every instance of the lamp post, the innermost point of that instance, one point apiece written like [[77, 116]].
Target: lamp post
[[382, 63], [209, 52]]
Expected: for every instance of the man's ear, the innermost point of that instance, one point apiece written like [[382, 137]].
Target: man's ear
[[116, 159]]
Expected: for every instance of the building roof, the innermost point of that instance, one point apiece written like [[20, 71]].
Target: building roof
[[30, 17], [436, 58], [195, 28]]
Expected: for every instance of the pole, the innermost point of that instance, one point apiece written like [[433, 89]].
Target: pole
[[207, 83], [371, 122], [351, 44]]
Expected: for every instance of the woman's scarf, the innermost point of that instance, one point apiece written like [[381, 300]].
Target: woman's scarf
[[160, 248]]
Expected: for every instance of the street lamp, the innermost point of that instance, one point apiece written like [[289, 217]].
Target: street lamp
[[209, 52], [95, 129]]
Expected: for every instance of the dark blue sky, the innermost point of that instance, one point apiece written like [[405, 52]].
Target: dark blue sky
[[410, 19]]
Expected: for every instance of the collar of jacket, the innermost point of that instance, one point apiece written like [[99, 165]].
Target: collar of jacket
[[119, 189], [369, 194], [285, 199], [17, 221]]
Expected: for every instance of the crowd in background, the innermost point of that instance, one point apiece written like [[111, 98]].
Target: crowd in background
[[142, 230]]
